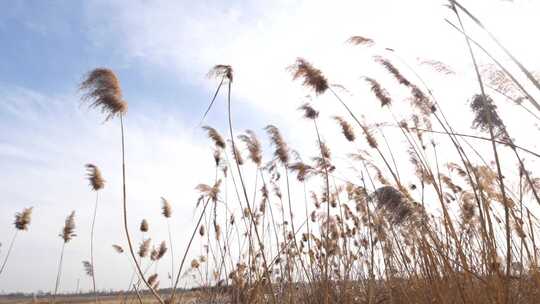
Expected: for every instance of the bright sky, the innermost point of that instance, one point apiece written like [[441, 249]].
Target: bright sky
[[161, 52]]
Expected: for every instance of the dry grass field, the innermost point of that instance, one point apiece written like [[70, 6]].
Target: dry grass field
[[415, 229]]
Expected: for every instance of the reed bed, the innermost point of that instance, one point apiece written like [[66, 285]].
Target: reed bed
[[419, 229]]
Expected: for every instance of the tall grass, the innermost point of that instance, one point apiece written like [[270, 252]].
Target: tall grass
[[21, 223], [96, 183], [423, 216]]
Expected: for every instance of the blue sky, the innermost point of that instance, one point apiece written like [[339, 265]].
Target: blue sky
[[161, 52]]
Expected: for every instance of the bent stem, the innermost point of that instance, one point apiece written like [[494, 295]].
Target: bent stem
[[497, 162], [252, 215], [59, 273], [126, 229], [179, 273], [92, 248], [9, 250]]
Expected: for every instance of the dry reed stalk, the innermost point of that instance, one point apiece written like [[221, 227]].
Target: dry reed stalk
[[21, 223], [67, 234], [96, 183], [490, 119], [103, 91], [166, 210]]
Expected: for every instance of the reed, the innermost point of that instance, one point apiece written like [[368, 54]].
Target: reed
[[67, 234], [21, 223], [417, 213], [96, 183]]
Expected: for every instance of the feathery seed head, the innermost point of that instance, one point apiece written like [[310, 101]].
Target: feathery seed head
[[312, 77], [88, 268], [94, 176], [394, 202], [282, 150], [162, 250], [214, 135], [153, 280], [253, 145], [379, 92], [346, 128], [166, 208], [485, 111], [103, 91], [359, 40], [22, 219], [201, 230], [144, 248], [118, 248], [236, 153], [68, 232], [309, 111], [392, 70], [222, 71], [303, 170], [144, 226], [195, 264]]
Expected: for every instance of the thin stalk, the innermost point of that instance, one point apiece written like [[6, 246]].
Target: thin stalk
[[514, 59], [261, 245], [9, 250], [497, 162], [92, 248], [171, 248], [502, 142], [187, 250], [126, 229], [326, 277], [59, 273]]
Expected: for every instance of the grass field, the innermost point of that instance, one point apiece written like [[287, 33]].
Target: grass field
[[405, 209]]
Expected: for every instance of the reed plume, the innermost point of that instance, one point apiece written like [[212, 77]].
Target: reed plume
[[309, 111], [253, 145], [202, 230], [214, 135], [118, 248], [102, 90], [346, 128], [221, 71], [166, 210], [144, 226], [96, 183], [379, 92], [419, 99], [438, 66], [88, 268], [153, 281], [303, 171], [281, 151], [394, 203], [312, 77], [67, 234], [144, 248], [485, 112], [238, 155], [22, 222], [22, 219], [94, 177], [360, 40], [161, 250]]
